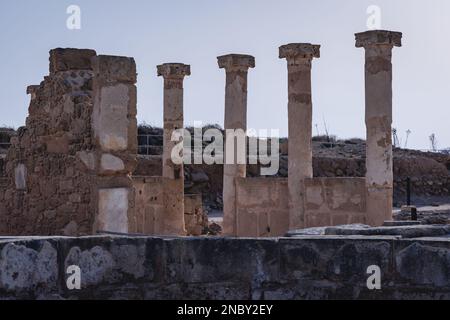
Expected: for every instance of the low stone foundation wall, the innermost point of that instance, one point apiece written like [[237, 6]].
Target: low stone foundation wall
[[262, 204], [330, 267]]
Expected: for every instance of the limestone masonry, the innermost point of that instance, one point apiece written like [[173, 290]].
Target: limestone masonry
[[71, 170]]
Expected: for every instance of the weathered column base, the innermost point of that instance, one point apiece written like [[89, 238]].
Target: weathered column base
[[379, 205]]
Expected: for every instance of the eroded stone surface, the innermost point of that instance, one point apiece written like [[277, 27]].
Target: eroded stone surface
[[308, 267], [96, 264], [432, 268], [23, 268]]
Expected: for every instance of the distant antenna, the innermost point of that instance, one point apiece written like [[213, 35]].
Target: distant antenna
[[433, 142], [326, 130], [408, 132], [317, 129]]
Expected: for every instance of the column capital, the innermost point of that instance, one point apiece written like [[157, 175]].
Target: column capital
[[378, 38], [174, 70], [299, 50], [236, 62]]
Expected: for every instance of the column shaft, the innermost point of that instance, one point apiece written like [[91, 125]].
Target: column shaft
[[172, 223], [378, 87], [300, 167], [235, 118], [236, 67]]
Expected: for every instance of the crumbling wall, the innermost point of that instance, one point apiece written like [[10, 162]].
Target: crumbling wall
[[149, 206], [49, 188], [60, 168]]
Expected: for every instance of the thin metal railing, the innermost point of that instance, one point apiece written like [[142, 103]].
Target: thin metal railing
[[146, 147]]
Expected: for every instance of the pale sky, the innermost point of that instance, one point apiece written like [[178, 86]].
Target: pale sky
[[195, 32]]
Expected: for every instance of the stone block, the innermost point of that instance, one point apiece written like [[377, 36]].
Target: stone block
[[105, 261], [392, 223], [113, 210], [293, 50], [87, 158], [111, 164], [114, 68], [70, 59], [26, 267], [414, 231], [236, 61], [334, 259], [200, 260], [110, 119], [378, 37], [423, 263]]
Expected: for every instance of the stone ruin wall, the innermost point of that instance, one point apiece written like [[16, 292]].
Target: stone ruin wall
[[57, 164], [49, 189]]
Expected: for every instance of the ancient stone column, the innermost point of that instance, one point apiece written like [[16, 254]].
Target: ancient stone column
[[173, 174], [236, 67], [299, 58], [378, 46]]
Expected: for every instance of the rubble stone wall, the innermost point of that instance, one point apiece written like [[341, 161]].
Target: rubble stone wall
[[314, 267], [50, 182], [59, 168]]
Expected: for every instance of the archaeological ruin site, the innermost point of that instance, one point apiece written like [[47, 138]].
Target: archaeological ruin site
[[76, 189]]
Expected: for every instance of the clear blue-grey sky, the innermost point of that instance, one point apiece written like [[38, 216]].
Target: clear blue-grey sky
[[197, 31]]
